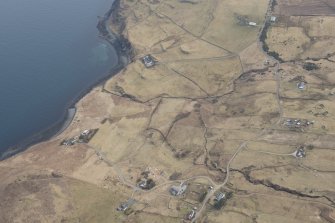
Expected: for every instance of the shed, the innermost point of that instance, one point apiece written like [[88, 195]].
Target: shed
[[301, 85], [252, 24]]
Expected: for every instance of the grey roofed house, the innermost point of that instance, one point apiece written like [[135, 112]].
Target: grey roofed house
[[124, 206], [143, 184], [190, 215], [273, 19], [178, 190], [85, 132], [300, 153], [220, 196], [148, 61]]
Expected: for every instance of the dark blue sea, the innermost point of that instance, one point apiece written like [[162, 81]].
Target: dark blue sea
[[50, 54]]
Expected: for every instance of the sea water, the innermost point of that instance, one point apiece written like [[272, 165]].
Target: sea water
[[50, 54]]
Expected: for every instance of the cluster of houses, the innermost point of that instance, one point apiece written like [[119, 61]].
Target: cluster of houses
[[177, 190], [243, 20], [219, 201], [69, 142], [84, 137], [298, 123]]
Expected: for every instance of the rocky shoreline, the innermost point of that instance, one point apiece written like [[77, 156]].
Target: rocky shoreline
[[124, 54]]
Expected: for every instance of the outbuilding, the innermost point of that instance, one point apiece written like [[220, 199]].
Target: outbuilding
[[252, 24]]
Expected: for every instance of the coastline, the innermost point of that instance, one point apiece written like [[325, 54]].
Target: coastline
[[124, 54]]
